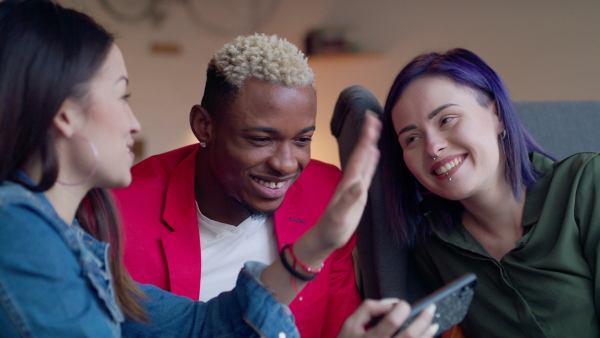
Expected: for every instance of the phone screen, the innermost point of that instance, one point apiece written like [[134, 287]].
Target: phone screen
[[452, 303]]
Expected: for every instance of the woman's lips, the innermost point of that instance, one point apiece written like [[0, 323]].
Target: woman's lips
[[447, 166]]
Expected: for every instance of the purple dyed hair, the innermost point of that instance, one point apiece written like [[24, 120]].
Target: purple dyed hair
[[406, 207]]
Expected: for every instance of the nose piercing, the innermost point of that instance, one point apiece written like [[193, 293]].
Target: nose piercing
[[435, 157]]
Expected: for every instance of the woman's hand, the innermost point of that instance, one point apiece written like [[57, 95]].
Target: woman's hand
[[345, 209], [348, 202], [395, 313], [340, 219]]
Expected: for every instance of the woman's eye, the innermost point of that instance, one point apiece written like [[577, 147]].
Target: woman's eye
[[446, 119], [410, 139], [126, 96]]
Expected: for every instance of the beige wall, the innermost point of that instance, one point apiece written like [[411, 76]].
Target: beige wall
[[543, 49]]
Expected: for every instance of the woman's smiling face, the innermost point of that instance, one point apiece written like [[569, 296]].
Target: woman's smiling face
[[110, 123], [449, 138]]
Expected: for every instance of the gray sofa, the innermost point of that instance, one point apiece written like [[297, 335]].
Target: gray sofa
[[385, 268], [562, 128]]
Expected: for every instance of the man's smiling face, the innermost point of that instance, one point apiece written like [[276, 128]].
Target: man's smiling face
[[261, 143]]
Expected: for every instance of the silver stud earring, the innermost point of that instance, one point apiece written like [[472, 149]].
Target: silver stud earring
[[203, 144]]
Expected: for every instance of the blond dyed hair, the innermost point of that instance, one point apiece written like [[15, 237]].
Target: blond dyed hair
[[263, 57]]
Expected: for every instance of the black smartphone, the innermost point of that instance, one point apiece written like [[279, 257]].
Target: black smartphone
[[452, 303]]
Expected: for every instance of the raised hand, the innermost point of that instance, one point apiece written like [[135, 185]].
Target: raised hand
[[340, 219]]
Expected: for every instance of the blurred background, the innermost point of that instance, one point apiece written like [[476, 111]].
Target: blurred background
[[543, 49]]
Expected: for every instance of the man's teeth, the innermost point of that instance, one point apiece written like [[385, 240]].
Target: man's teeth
[[271, 185], [446, 167]]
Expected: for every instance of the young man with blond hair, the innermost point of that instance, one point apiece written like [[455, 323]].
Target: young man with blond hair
[[194, 215]]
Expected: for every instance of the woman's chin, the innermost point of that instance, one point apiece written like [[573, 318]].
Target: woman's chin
[[118, 183]]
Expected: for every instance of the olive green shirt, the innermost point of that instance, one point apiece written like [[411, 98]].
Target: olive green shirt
[[548, 286]]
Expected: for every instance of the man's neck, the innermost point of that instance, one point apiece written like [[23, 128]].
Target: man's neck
[[214, 202], [223, 213]]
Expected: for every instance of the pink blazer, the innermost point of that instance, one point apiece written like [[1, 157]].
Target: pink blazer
[[162, 245]]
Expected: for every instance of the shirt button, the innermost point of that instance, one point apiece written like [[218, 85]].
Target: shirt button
[[282, 335], [300, 298]]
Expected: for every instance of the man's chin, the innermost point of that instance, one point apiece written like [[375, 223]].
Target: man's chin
[[258, 214], [261, 215]]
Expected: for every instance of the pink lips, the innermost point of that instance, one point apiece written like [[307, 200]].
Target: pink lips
[[130, 148], [443, 162]]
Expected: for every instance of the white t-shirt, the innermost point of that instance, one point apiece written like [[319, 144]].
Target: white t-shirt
[[225, 248]]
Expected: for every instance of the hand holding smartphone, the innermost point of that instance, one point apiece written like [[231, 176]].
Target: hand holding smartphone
[[452, 303]]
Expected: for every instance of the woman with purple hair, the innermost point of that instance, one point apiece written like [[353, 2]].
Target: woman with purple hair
[[471, 191]]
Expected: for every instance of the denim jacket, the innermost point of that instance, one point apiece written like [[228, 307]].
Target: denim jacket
[[55, 281]]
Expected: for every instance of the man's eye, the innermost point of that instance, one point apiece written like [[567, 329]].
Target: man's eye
[[305, 140], [259, 139]]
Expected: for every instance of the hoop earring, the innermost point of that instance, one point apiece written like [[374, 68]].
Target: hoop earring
[[96, 161], [503, 134]]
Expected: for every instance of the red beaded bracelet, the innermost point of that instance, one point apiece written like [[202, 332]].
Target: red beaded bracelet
[[304, 267]]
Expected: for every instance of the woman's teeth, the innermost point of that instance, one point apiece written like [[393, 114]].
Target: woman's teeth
[[271, 185], [446, 167]]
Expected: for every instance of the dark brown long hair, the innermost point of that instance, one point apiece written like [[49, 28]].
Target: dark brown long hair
[[49, 53]]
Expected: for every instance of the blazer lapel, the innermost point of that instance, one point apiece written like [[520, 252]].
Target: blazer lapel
[[182, 246], [293, 218]]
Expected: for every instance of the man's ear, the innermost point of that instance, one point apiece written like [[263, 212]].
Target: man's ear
[[201, 123], [67, 119]]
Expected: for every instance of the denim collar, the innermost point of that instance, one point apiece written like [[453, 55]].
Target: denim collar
[[92, 254]]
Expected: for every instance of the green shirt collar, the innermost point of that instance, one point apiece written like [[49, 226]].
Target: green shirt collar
[[534, 199], [536, 195]]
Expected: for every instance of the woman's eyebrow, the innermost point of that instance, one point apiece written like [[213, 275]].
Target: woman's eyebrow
[[429, 117], [439, 109]]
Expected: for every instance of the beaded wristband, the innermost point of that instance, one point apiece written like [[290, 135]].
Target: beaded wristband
[[306, 269], [290, 269]]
